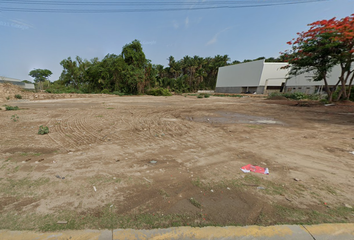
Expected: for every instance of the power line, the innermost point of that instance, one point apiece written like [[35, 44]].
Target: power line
[[135, 6]]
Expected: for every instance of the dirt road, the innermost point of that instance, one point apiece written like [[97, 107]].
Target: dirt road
[[178, 155]]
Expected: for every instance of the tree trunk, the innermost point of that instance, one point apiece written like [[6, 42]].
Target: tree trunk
[[350, 86]]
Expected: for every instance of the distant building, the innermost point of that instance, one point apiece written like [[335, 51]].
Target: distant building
[[28, 86], [304, 82], [252, 77], [264, 77]]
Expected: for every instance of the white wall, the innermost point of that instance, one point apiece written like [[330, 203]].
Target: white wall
[[274, 74], [240, 75], [305, 79]]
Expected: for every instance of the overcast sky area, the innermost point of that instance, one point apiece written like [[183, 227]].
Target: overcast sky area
[[32, 40]]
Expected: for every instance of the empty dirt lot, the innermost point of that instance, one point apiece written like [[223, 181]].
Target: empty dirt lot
[[143, 162]]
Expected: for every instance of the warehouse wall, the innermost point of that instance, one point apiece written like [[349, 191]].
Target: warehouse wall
[[240, 75]]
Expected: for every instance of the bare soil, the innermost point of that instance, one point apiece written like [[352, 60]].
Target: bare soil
[[101, 151]]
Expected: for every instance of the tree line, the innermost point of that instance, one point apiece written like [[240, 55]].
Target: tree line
[[131, 72]]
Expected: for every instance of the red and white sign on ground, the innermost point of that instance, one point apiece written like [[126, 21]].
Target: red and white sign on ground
[[250, 168]]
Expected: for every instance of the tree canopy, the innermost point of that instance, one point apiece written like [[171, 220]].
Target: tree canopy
[[326, 44], [131, 72], [40, 75]]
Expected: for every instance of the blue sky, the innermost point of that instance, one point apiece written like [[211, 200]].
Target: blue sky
[[42, 40]]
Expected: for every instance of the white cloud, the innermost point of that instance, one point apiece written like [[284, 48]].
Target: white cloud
[[20, 24], [215, 38], [186, 22]]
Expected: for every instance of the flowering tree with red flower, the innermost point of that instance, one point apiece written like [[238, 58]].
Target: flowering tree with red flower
[[326, 44]]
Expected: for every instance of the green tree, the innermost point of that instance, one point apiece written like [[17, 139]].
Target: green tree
[[326, 44], [40, 75]]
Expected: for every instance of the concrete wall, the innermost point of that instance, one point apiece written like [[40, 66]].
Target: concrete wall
[[240, 75], [228, 89], [28, 86]]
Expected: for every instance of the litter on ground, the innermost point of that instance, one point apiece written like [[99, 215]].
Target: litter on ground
[[257, 169]]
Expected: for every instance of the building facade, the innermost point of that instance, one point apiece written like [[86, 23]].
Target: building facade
[[28, 86], [252, 77]]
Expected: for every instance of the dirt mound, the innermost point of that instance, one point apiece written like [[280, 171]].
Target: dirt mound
[[345, 103], [278, 98], [8, 91]]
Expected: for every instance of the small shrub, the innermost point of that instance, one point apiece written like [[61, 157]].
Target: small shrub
[[15, 118], [43, 130], [159, 92], [11, 108], [118, 93], [105, 91], [295, 95], [200, 96], [206, 95], [18, 96], [7, 98]]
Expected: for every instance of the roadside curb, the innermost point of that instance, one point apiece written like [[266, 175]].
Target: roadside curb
[[343, 231]]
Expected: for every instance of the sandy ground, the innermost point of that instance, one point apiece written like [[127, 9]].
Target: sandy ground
[[99, 153]]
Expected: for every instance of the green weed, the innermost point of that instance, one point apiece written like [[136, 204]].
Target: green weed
[[11, 108], [195, 203], [43, 130], [15, 118]]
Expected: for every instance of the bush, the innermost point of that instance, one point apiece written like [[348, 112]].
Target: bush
[[18, 96], [295, 95], [105, 91], [205, 95], [159, 92], [43, 130], [118, 93], [9, 108], [336, 93], [200, 96]]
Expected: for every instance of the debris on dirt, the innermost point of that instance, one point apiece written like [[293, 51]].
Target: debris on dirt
[[94, 188], [352, 152], [26, 160], [228, 188], [288, 199], [347, 205], [62, 222], [330, 104], [147, 179], [302, 104], [57, 176], [153, 162], [117, 160], [195, 203], [261, 188], [250, 168], [296, 179]]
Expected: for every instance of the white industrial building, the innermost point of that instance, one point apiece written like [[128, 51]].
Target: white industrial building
[[264, 77], [252, 77], [304, 83], [28, 86]]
